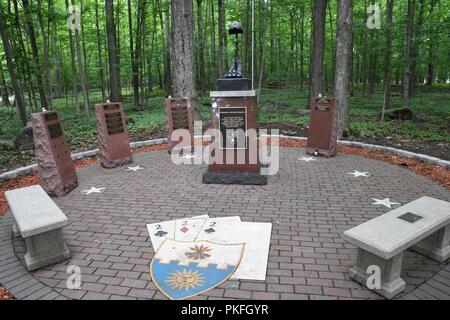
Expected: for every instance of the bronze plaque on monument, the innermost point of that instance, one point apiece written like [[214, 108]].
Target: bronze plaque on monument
[[179, 116], [233, 127], [57, 173], [322, 135], [113, 137]]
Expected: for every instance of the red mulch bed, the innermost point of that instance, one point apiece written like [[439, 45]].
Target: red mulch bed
[[5, 295]]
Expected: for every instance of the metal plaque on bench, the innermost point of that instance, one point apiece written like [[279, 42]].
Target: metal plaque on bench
[[113, 137], [55, 167]]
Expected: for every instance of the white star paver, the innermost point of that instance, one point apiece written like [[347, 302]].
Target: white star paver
[[384, 202], [357, 174], [93, 190], [307, 159], [134, 169]]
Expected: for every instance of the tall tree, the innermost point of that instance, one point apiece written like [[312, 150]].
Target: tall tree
[[81, 66], [430, 69], [74, 65], [48, 77], [201, 48], [114, 74], [388, 58], [221, 35], [99, 48], [134, 65], [316, 75], [34, 50], [408, 48], [343, 61], [11, 69], [182, 48]]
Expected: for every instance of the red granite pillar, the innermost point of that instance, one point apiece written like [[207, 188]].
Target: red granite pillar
[[56, 170], [113, 137], [322, 135]]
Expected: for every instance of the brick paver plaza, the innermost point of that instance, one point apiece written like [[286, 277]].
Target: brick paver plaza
[[310, 205]]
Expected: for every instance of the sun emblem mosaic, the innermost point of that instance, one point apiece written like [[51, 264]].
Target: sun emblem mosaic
[[198, 252], [185, 280]]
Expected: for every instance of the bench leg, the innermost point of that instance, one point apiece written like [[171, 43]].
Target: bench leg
[[435, 246], [45, 249], [16, 231], [391, 282]]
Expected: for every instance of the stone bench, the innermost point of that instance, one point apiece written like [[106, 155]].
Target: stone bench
[[422, 225], [39, 221]]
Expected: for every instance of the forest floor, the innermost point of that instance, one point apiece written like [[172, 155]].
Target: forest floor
[[281, 109]]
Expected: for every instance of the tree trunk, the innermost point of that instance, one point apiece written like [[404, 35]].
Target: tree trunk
[[343, 61], [48, 77], [220, 23], [430, 73], [416, 47], [316, 77], [167, 60], [34, 49], [408, 47], [388, 58], [182, 46], [74, 68], [12, 73], [99, 48], [201, 48], [114, 74], [3, 87], [82, 71], [134, 66], [302, 49]]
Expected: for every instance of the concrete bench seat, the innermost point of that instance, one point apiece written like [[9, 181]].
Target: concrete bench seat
[[422, 226], [39, 221]]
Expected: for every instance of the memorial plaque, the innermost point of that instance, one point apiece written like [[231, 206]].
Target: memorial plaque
[[55, 167], [233, 127], [322, 136], [54, 130], [179, 116], [112, 135], [410, 217]]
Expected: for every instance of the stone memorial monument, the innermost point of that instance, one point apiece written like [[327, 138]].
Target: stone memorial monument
[[57, 173], [113, 138], [179, 116], [234, 115], [322, 135]]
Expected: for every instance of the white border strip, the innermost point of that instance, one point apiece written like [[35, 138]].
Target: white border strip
[[13, 174], [407, 154]]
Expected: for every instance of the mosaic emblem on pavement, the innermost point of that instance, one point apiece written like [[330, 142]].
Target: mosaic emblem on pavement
[[384, 202], [183, 269], [93, 190], [134, 169], [357, 174], [307, 159], [198, 252]]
